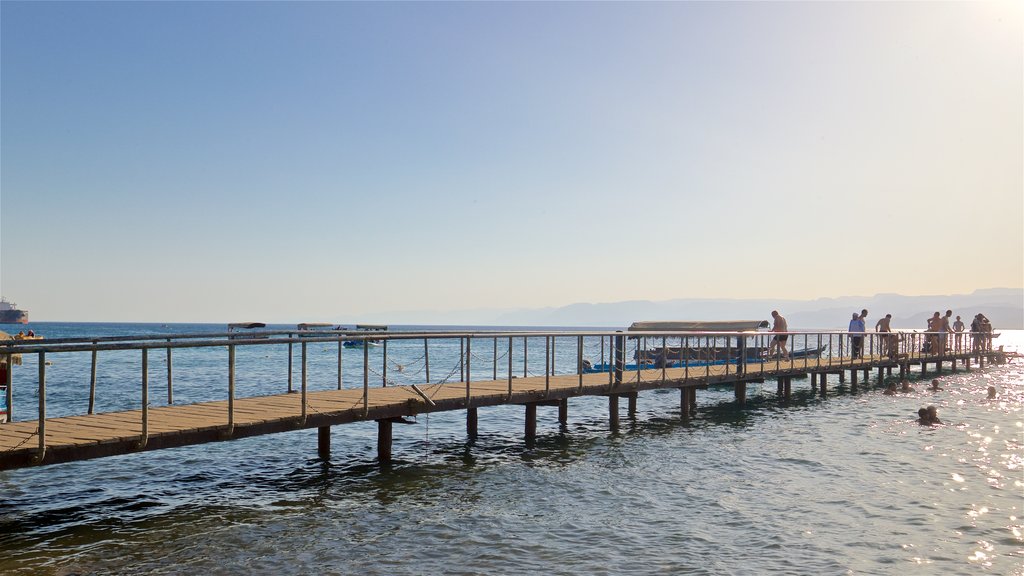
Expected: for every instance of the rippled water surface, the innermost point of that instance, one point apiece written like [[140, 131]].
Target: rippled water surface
[[844, 485]]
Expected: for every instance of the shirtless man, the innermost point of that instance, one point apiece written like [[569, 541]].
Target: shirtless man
[[884, 341], [779, 340]]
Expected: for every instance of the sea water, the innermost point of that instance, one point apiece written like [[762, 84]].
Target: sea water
[[848, 484]]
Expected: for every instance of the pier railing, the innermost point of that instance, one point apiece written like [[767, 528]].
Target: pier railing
[[494, 356]]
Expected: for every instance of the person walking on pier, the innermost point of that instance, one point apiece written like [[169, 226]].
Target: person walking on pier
[[857, 334], [779, 340], [884, 342]]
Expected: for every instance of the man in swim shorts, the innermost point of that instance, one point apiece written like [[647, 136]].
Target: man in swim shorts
[[779, 340]]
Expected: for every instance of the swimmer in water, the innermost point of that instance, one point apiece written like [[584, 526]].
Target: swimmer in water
[[890, 389], [905, 386], [922, 417], [933, 415], [935, 385], [991, 392]]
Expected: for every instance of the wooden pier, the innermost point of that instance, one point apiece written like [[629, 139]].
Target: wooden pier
[[46, 441]]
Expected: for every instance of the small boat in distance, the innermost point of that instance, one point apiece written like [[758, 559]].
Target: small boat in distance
[[365, 328]]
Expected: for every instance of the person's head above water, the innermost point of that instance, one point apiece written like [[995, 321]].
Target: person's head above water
[[991, 392]]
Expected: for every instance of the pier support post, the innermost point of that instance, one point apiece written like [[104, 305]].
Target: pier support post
[[842, 376], [613, 411], [531, 422], [814, 381], [471, 422], [853, 380], [953, 365], [788, 388], [924, 369], [881, 376], [631, 410], [740, 390], [823, 384], [684, 402], [888, 371], [323, 442], [780, 388], [384, 441], [563, 411]]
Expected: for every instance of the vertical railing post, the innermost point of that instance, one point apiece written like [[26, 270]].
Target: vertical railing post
[[664, 359], [38, 458], [384, 366], [548, 360], [145, 399], [579, 361], [426, 358], [494, 363], [366, 379], [525, 353], [510, 366], [341, 347], [290, 389], [462, 359], [170, 374], [92, 384], [231, 389], [741, 362], [303, 382], [469, 365], [620, 357], [9, 385]]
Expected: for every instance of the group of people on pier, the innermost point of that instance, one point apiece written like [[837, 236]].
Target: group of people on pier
[[939, 328]]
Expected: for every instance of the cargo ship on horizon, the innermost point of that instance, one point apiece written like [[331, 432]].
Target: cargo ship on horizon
[[9, 313]]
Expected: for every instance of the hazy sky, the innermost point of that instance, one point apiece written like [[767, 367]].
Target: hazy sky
[[190, 161]]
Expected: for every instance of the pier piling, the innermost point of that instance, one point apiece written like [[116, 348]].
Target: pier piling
[[323, 442], [384, 436]]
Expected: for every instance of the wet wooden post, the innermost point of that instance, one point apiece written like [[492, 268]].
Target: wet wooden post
[[888, 370], [814, 381], [823, 384], [323, 442], [613, 411], [563, 411], [924, 369], [952, 365], [853, 380], [631, 410], [684, 402], [471, 422], [842, 376], [788, 390], [384, 436], [780, 385], [531, 422], [740, 391], [881, 376]]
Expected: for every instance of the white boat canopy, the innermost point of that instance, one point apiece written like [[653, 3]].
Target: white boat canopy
[[699, 326]]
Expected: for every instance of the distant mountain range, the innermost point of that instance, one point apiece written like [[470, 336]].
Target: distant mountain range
[[1003, 306]]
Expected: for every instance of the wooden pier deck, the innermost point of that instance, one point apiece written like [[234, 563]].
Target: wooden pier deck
[[91, 436]]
